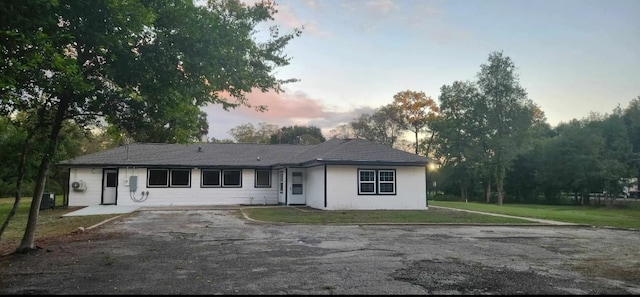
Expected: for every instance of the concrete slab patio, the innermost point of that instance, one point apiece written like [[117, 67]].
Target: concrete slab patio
[[102, 210]]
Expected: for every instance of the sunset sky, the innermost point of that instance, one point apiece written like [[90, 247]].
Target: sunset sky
[[573, 56]]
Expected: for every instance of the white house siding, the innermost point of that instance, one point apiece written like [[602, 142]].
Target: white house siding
[[342, 189], [315, 187], [194, 195], [92, 178]]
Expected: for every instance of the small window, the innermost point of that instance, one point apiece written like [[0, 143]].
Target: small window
[[112, 179], [263, 179], [296, 183], [210, 178], [180, 177], [366, 182], [158, 178], [281, 181], [231, 178]]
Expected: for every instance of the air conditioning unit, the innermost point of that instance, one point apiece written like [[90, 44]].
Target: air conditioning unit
[[79, 186]]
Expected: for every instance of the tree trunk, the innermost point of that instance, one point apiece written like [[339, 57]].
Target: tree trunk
[[20, 178], [433, 133], [28, 242], [487, 193], [463, 192], [500, 173], [638, 184], [499, 190], [416, 141]]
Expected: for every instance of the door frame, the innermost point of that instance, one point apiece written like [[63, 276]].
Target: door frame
[[104, 185]]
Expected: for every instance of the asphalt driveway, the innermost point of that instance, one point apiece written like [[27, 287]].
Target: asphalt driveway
[[219, 252]]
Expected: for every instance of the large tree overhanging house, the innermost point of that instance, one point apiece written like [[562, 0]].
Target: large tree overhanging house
[[339, 174]]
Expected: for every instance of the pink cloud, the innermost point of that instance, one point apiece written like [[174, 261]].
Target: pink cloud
[[281, 105], [284, 109], [288, 18]]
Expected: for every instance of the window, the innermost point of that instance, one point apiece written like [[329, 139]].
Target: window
[[232, 178], [164, 178], [367, 182], [158, 178], [112, 179], [296, 183], [263, 179], [376, 182], [180, 178], [386, 182], [281, 181], [210, 178]]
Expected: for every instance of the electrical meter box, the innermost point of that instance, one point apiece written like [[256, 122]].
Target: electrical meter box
[[133, 183]]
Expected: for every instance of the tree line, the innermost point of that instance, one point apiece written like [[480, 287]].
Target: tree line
[[493, 143]]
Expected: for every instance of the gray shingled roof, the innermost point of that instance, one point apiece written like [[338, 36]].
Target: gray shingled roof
[[338, 151]]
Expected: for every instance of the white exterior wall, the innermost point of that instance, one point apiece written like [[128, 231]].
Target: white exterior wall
[[315, 187], [342, 189], [93, 179], [194, 195]]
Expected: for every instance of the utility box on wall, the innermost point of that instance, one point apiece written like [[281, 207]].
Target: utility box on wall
[[133, 183]]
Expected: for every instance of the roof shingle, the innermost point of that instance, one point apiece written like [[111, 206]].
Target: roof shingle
[[246, 154]]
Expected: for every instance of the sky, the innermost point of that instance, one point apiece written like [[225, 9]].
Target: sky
[[573, 57]]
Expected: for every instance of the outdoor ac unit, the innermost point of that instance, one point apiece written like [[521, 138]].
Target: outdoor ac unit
[[79, 186]]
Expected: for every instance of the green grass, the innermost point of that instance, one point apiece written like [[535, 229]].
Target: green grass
[[621, 217], [51, 223], [311, 216]]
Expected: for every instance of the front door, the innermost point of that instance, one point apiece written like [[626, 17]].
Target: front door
[[109, 186], [282, 194]]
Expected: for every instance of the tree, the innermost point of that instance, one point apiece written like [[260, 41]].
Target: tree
[[247, 133], [417, 109], [462, 131], [509, 115], [298, 135], [342, 131], [631, 116], [146, 67], [384, 126]]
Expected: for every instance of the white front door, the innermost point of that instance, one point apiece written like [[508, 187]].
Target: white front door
[[282, 186], [109, 186], [297, 188]]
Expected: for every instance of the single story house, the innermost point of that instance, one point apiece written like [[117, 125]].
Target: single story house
[[338, 174]]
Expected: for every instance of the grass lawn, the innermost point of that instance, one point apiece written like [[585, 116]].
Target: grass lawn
[[304, 215], [627, 217], [51, 223]]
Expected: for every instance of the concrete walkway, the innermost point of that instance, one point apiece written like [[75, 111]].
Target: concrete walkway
[[102, 210], [550, 222]]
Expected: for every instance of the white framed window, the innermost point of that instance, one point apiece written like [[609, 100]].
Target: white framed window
[[366, 182], [386, 182], [281, 180], [263, 179], [376, 181]]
